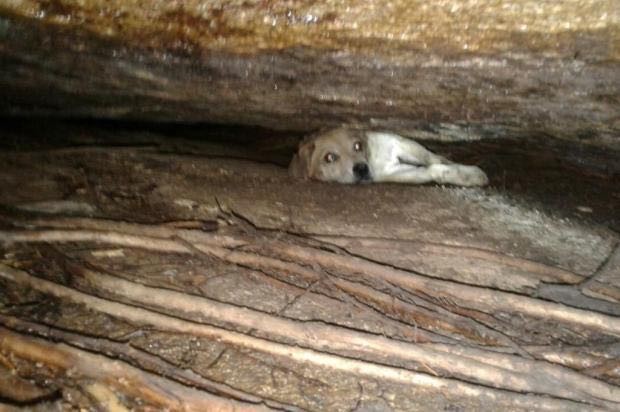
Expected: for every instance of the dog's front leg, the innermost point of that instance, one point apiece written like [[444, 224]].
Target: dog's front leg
[[454, 174], [439, 169], [398, 159], [404, 173], [457, 174]]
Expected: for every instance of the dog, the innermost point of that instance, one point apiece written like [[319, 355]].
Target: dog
[[351, 155]]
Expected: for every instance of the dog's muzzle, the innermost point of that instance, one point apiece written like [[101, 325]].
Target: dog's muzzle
[[361, 172]]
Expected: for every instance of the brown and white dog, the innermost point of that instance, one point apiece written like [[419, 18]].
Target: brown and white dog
[[350, 155]]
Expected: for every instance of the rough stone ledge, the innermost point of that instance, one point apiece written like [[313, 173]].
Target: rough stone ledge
[[562, 83]]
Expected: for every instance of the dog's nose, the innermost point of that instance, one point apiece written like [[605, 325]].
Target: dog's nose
[[361, 171]]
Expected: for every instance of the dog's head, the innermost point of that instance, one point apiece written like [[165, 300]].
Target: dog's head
[[337, 155]]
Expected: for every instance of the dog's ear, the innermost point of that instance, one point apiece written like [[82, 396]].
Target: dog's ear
[[300, 165]]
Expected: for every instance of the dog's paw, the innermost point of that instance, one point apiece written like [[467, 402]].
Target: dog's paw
[[472, 176], [458, 175]]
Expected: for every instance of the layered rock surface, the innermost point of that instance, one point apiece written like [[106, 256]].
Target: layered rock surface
[[453, 69]]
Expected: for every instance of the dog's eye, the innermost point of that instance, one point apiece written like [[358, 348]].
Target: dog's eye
[[357, 146], [330, 158]]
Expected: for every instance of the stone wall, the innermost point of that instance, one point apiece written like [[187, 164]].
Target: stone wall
[[454, 69]]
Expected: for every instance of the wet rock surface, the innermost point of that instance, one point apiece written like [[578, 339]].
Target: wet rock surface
[[157, 255], [453, 70], [187, 259]]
